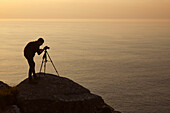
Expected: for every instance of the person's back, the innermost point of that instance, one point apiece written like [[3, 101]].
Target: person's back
[[30, 49]]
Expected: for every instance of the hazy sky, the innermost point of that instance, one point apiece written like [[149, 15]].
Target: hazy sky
[[76, 9]]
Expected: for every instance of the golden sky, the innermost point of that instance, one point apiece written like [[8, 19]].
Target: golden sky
[[85, 9]]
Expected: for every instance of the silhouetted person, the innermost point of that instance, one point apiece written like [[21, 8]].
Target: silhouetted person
[[29, 52]]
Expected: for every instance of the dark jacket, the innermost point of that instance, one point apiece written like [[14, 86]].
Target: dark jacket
[[31, 48]]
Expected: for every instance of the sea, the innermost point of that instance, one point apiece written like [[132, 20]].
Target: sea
[[126, 62]]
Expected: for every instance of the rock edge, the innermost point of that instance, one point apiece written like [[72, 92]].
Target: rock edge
[[54, 94]]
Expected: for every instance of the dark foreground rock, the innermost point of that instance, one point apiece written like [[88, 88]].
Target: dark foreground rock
[[3, 85], [12, 109], [8, 99], [54, 94]]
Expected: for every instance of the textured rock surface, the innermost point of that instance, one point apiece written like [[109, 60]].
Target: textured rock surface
[[7, 99], [54, 94], [3, 85], [12, 109]]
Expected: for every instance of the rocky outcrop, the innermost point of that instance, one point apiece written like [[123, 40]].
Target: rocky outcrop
[[54, 94], [50, 94], [3, 85]]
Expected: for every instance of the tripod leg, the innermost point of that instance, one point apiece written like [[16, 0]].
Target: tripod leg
[[44, 67], [53, 64]]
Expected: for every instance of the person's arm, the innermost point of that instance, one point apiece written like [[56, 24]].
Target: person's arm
[[40, 51]]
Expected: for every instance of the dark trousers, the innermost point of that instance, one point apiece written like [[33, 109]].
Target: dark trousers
[[31, 67]]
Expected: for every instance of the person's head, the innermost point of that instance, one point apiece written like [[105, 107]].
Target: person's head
[[40, 41]]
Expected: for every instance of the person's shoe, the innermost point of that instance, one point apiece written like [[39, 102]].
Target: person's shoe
[[35, 77], [30, 78]]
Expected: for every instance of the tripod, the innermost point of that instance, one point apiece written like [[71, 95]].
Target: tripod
[[44, 61]]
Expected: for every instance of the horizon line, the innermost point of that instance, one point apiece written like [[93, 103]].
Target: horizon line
[[81, 19]]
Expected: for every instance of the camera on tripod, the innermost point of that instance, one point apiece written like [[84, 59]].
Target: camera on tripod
[[44, 60], [46, 47]]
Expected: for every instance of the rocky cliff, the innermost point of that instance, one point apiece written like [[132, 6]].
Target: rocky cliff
[[54, 94]]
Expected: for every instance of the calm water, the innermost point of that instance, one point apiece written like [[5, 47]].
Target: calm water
[[127, 63]]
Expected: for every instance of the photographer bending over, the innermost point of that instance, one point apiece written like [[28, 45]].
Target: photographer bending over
[[29, 52]]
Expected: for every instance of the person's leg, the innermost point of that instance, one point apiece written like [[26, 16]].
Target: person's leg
[[29, 74], [33, 70], [31, 67]]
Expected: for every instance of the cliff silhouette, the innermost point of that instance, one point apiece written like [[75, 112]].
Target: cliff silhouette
[[51, 94]]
